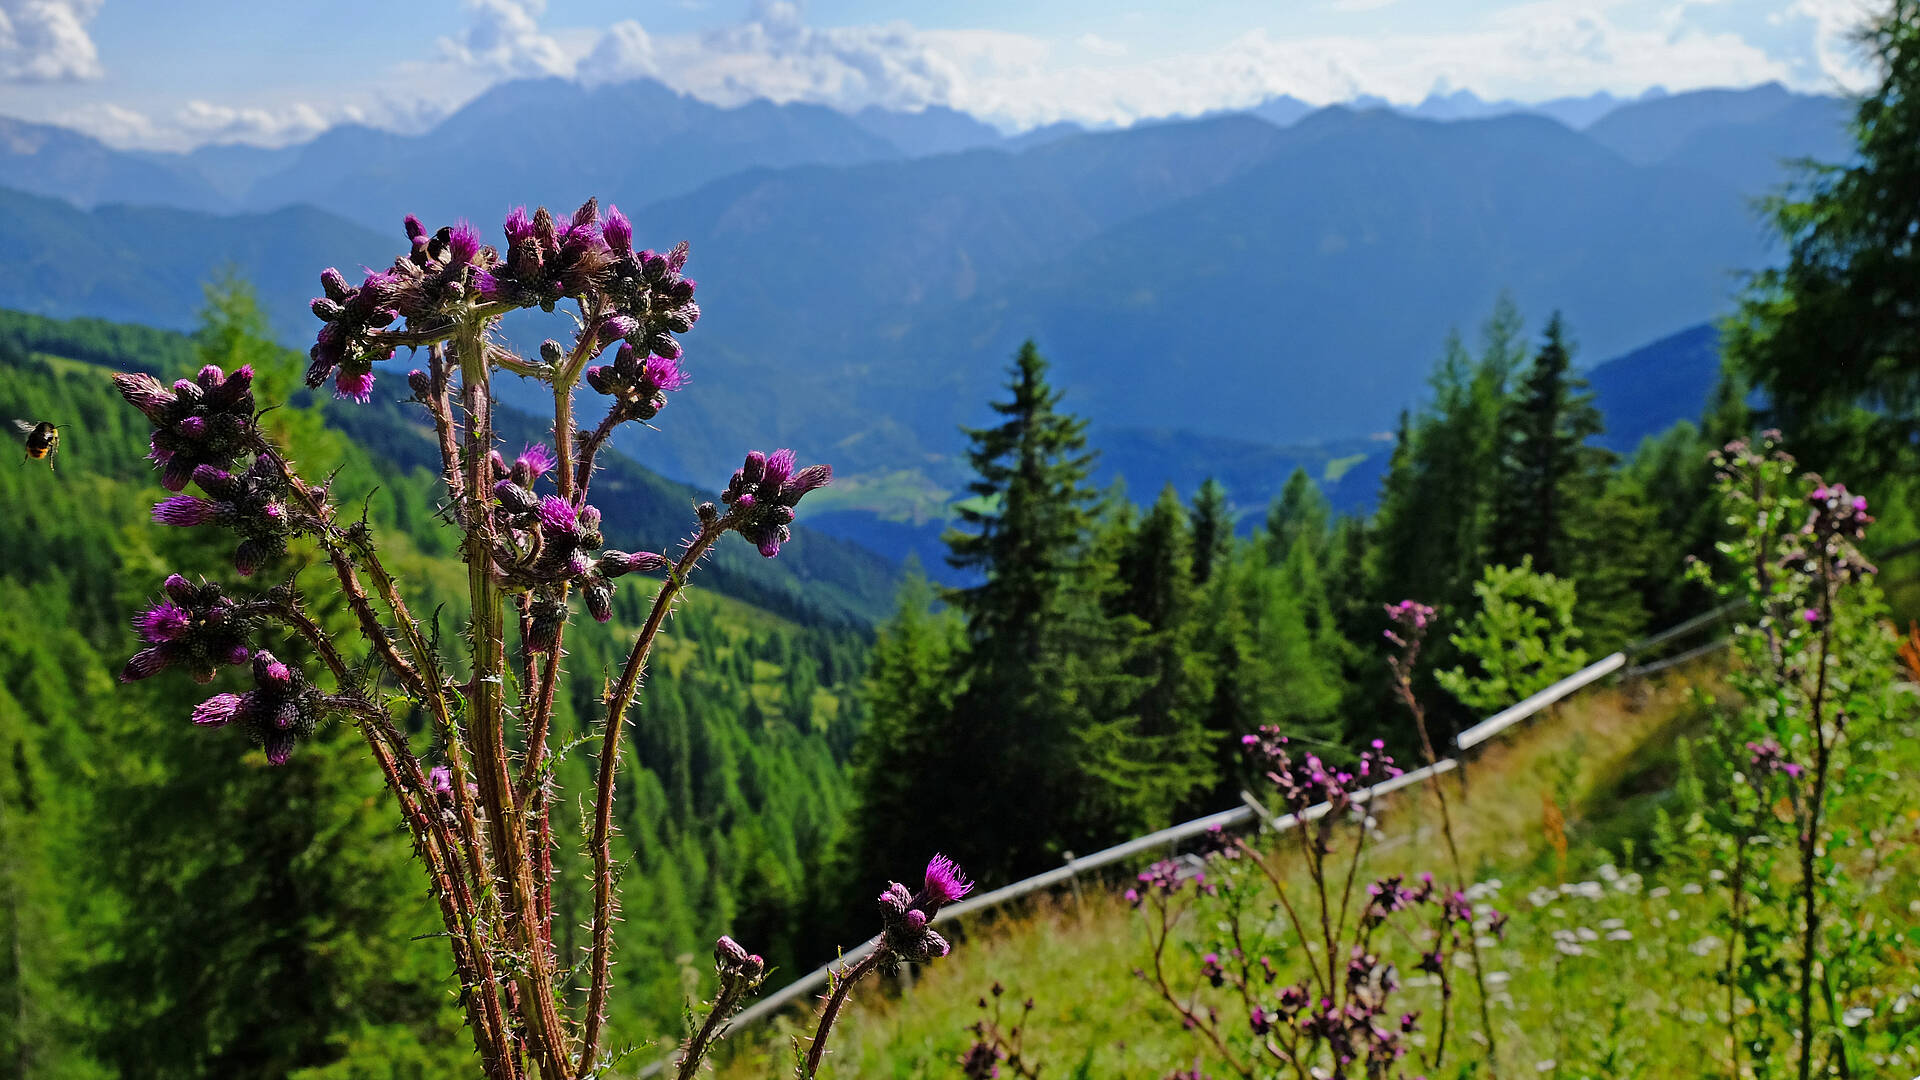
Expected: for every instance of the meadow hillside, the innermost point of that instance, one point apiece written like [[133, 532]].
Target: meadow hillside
[[1605, 969]]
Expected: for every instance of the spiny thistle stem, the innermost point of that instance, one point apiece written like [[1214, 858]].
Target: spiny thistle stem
[[835, 1000], [610, 740]]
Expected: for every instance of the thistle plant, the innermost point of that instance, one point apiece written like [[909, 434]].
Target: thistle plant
[[1306, 978], [1814, 671], [476, 799]]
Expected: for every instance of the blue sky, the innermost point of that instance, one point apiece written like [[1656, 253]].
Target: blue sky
[[175, 73]]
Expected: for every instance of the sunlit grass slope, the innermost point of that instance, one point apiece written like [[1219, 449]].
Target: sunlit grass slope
[[1596, 956]]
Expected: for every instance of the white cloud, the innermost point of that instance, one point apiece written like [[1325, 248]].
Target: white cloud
[[115, 125], [504, 38], [625, 51], [47, 40], [1520, 49], [1841, 57], [1362, 5], [1528, 51], [200, 122]]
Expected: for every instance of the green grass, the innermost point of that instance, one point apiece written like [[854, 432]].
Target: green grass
[[1631, 972]]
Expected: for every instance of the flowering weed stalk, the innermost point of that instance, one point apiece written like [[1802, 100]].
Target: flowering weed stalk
[[1815, 675], [477, 800], [1289, 980]]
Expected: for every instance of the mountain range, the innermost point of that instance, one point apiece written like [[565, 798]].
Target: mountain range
[[1212, 291]]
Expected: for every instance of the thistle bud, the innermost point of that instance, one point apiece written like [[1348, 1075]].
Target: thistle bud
[[599, 598], [545, 616], [420, 384], [552, 352]]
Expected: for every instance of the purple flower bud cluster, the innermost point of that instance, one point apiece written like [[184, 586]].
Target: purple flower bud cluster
[[543, 261], [206, 420], [1769, 757], [650, 289], [1308, 780], [546, 262], [638, 383], [981, 1061], [195, 626], [763, 493], [280, 710], [1837, 520], [440, 782], [1411, 620], [1211, 970], [1163, 878], [252, 503], [351, 316], [735, 964], [1390, 895], [552, 543], [1836, 512], [907, 916]]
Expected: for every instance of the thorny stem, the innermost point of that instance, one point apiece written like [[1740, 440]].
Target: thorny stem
[[1173, 1000], [1309, 846], [724, 1004], [1810, 837], [486, 720], [439, 380], [610, 739], [478, 986], [1737, 917], [1403, 684], [1279, 890], [841, 987]]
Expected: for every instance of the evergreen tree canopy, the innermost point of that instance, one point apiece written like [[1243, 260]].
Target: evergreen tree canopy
[[1833, 336], [1549, 475]]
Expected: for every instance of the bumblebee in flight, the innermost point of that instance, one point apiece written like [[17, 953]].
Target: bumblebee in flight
[[42, 439]]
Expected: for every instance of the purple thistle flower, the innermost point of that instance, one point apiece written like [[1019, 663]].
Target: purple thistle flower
[[518, 225], [779, 466], [613, 564], [165, 621], [1811, 615], [944, 883], [463, 244], [617, 231], [440, 780], [663, 374], [535, 461], [183, 510], [559, 515], [353, 386], [217, 711]]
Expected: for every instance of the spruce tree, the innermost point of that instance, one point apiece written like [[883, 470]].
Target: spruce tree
[[1300, 512], [909, 696], [1156, 589], [1546, 468], [1039, 722], [1212, 529]]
